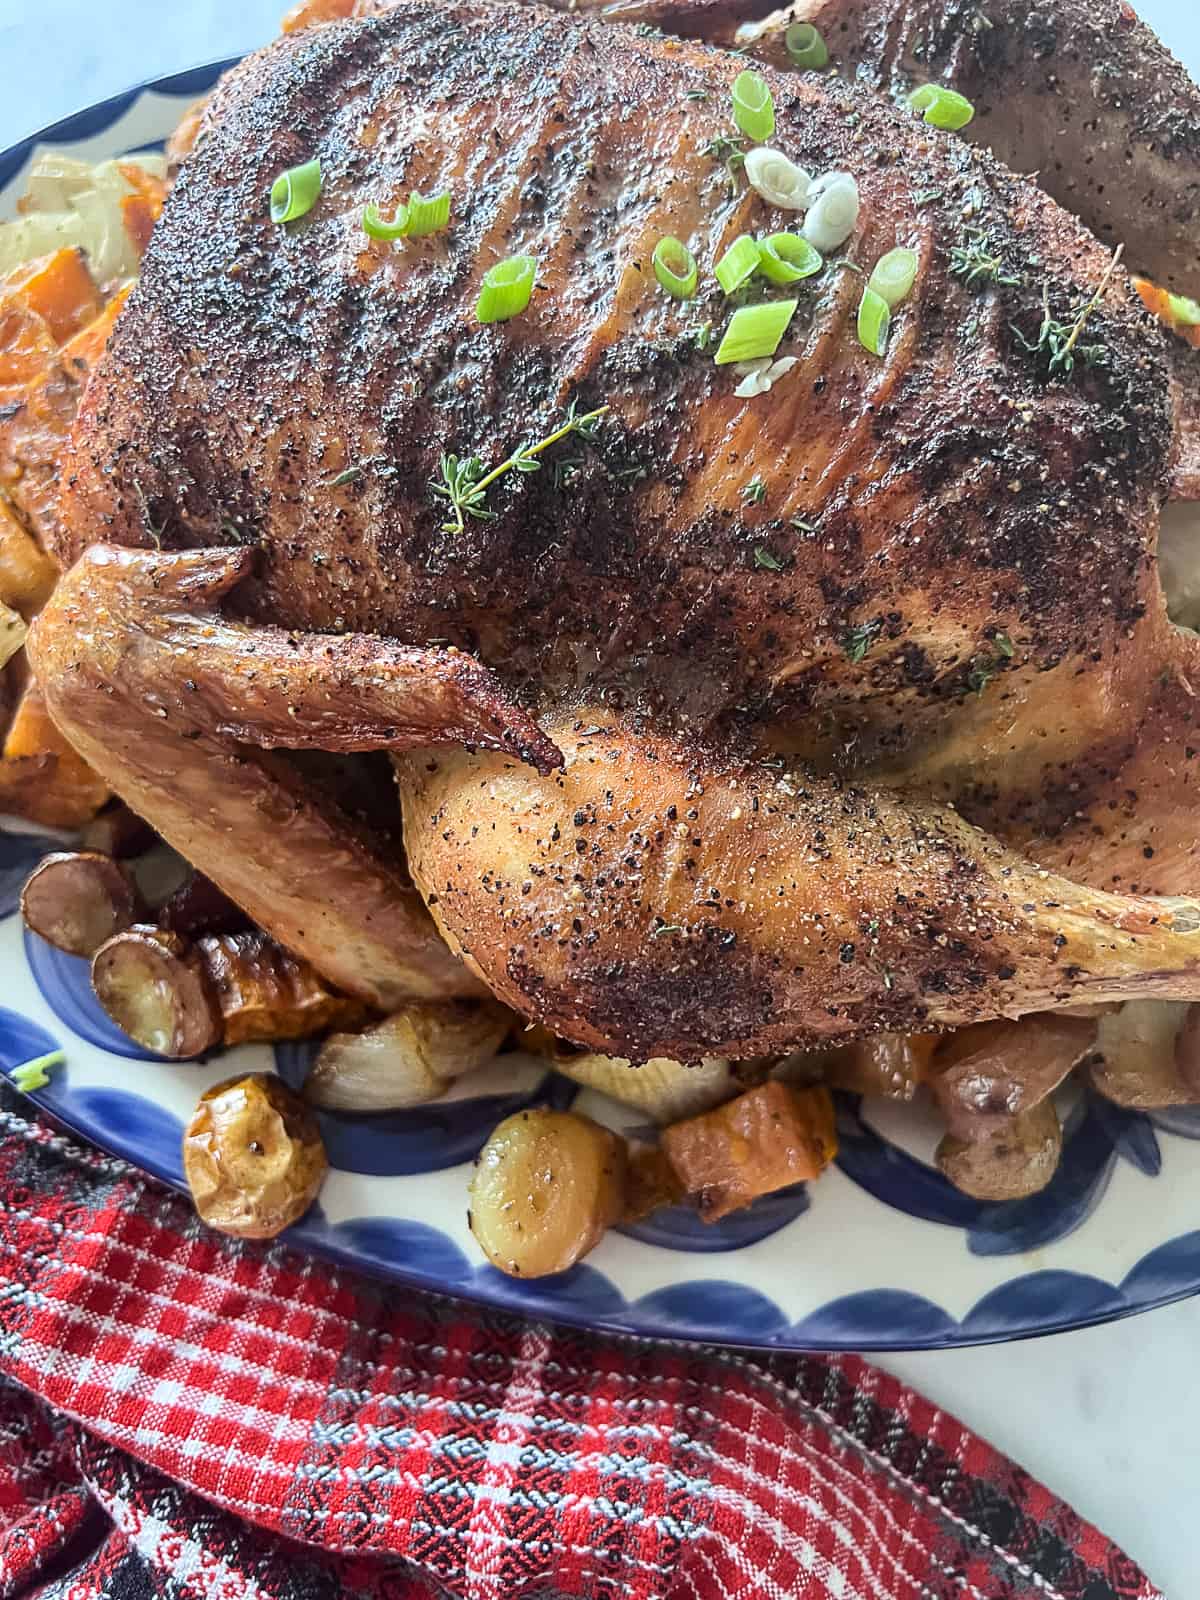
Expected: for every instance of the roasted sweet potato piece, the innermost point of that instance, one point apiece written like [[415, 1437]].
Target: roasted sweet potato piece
[[265, 992], [155, 987], [27, 348], [27, 574], [764, 1140], [984, 1075], [80, 354], [58, 288], [54, 785], [76, 899], [13, 629], [310, 12], [651, 1182], [890, 1065], [1017, 1157]]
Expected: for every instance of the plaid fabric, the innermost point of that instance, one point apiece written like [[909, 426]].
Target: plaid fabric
[[185, 1417]]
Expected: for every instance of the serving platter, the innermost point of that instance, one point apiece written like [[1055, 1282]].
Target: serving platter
[[881, 1254]]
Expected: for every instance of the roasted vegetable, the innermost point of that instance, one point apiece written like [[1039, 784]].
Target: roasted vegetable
[[155, 987], [73, 203], [58, 288], [652, 1182], [891, 1065], [409, 1057], [985, 1075], [265, 992], [116, 831], [65, 792], [1016, 1158], [198, 907], [663, 1089], [26, 574], [77, 899], [1145, 1055], [767, 1138], [546, 1186], [253, 1156], [12, 634]]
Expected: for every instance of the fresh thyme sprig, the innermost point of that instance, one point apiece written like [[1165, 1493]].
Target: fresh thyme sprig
[[975, 263], [729, 152], [464, 484], [1059, 341]]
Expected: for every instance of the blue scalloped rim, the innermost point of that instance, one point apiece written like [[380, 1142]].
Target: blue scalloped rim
[[411, 1252]]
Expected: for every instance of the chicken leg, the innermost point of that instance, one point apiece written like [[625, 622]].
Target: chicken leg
[[652, 899], [155, 688]]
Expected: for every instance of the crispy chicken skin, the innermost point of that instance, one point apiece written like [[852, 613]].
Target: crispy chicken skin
[[947, 589], [1080, 92]]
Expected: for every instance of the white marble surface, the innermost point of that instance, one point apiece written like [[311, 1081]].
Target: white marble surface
[[1109, 1417]]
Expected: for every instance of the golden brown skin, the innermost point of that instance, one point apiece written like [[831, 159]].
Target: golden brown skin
[[658, 901], [947, 587], [108, 650]]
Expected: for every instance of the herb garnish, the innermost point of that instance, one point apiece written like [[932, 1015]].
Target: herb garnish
[[729, 152], [347, 475], [663, 928], [1059, 341], [764, 558], [1005, 646], [464, 484], [696, 94], [858, 640], [754, 492], [975, 263]]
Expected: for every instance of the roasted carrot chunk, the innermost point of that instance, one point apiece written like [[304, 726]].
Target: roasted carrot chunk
[[26, 574], [767, 1138], [309, 12], [58, 288], [82, 352], [1164, 306], [66, 792], [27, 348]]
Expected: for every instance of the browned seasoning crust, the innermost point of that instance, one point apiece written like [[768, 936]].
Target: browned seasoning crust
[[958, 595], [1080, 92]]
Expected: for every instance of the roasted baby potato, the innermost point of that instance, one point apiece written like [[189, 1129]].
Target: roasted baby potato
[[409, 1057], [985, 1075], [253, 1156], [116, 831], [1016, 1158], [76, 899], [156, 988], [1146, 1055], [767, 1138], [265, 992], [546, 1186]]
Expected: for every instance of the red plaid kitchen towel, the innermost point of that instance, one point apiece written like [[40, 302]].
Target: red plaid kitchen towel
[[182, 1416]]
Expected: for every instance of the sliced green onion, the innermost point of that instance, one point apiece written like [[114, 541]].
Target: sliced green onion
[[294, 192], [753, 108], [1183, 311], [806, 46], [675, 268], [894, 276], [427, 216], [943, 108], [375, 227], [34, 1074], [874, 321], [507, 289], [786, 258], [738, 263], [755, 331]]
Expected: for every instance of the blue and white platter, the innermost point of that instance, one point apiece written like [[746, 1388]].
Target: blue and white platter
[[881, 1254]]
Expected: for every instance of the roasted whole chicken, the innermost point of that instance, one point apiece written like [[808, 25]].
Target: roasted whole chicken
[[746, 722]]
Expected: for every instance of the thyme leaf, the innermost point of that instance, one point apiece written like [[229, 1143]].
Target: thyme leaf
[[463, 484]]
